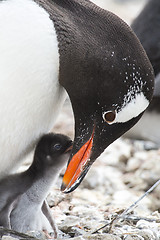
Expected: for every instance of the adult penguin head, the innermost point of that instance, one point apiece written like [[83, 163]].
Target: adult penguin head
[[106, 74], [109, 91]]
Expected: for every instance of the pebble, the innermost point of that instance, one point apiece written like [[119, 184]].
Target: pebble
[[37, 234], [148, 234], [9, 238], [71, 227], [101, 237], [133, 237], [76, 238]]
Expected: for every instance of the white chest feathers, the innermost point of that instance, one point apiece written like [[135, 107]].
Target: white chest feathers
[[30, 94]]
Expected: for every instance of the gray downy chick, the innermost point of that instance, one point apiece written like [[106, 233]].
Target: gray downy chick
[[25, 208], [11, 187], [31, 211]]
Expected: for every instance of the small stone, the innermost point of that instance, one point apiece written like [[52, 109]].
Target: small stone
[[156, 214], [147, 234], [70, 227], [101, 237], [133, 237], [75, 231], [142, 224], [75, 238], [37, 234], [62, 235], [9, 238]]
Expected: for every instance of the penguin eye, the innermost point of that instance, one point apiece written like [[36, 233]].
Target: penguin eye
[[57, 147], [109, 116]]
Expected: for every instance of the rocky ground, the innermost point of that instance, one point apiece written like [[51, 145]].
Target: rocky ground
[[121, 175], [116, 180]]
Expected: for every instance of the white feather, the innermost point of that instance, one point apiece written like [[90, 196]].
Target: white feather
[[132, 109], [30, 94]]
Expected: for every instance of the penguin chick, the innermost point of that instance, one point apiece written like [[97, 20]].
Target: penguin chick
[[31, 211], [51, 152], [11, 187]]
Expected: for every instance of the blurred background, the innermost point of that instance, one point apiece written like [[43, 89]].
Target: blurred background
[[126, 9]]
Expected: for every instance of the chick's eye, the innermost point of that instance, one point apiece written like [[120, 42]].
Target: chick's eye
[[109, 116], [57, 147]]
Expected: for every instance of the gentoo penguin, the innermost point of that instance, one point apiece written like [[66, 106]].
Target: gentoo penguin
[[50, 48], [146, 26], [31, 211], [25, 208]]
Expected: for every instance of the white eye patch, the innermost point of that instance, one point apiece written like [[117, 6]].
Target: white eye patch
[[130, 109]]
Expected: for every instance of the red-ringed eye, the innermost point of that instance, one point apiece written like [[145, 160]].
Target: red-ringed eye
[[109, 116]]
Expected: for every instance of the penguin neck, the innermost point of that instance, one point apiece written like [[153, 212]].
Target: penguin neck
[[36, 170]]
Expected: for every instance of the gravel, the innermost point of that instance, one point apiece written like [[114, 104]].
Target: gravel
[[116, 180]]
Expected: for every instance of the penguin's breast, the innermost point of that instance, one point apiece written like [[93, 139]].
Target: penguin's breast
[[30, 94]]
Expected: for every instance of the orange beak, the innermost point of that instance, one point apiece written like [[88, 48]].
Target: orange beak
[[77, 166]]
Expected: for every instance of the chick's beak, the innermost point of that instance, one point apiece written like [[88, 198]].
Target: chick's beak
[[78, 167], [69, 149]]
